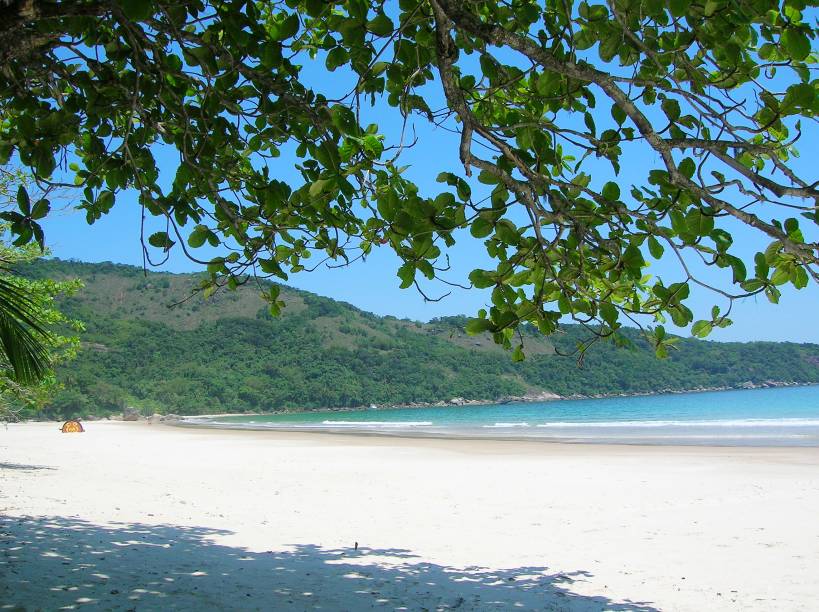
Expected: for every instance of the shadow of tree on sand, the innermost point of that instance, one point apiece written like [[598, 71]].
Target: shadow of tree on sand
[[23, 466], [56, 562]]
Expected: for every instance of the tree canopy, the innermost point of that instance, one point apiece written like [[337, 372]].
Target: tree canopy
[[35, 335], [540, 92]]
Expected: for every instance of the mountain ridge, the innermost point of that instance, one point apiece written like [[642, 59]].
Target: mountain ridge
[[227, 354]]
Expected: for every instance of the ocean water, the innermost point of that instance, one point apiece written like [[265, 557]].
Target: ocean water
[[785, 416]]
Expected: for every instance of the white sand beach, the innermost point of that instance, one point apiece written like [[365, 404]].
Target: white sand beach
[[135, 516]]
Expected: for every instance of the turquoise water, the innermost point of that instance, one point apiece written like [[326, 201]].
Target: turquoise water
[[786, 416]]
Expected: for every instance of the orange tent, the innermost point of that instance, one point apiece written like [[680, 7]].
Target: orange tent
[[72, 427]]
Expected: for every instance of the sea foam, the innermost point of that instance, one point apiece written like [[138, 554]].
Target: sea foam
[[377, 423], [692, 423]]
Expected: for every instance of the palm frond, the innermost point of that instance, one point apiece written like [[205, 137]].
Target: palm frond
[[23, 339]]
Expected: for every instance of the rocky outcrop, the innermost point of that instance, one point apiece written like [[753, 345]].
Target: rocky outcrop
[[540, 396]]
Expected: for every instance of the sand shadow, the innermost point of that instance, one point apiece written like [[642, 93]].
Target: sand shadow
[[23, 467], [54, 562]]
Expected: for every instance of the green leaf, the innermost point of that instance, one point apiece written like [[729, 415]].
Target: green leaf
[[318, 187], [381, 25], [738, 267], [161, 240], [618, 114], [609, 313], [198, 236], [477, 326], [711, 7], [407, 275], [781, 276], [335, 58], [722, 240], [798, 96], [796, 44], [687, 167], [701, 329], [799, 277], [289, 27], [481, 228], [773, 294], [678, 7], [761, 267], [105, 201], [481, 279], [611, 191], [41, 209], [589, 120], [506, 232], [39, 237], [671, 108], [137, 10], [655, 248], [378, 67], [699, 223], [610, 46], [23, 201]]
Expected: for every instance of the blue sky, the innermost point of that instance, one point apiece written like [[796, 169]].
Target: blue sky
[[373, 285]]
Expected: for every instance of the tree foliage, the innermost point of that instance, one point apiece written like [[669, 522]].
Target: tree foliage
[[717, 92], [35, 336]]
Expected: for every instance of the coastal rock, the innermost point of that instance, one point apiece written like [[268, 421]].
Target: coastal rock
[[155, 418], [457, 401], [130, 414], [540, 396], [543, 396]]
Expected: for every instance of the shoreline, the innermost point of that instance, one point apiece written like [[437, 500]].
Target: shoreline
[[504, 401], [648, 423], [528, 399], [467, 437], [466, 403]]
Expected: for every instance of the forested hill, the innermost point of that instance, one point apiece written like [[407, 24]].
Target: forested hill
[[227, 354]]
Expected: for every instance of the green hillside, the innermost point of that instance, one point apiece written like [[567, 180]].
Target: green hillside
[[226, 354]]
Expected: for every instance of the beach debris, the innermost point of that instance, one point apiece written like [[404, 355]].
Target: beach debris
[[72, 426]]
